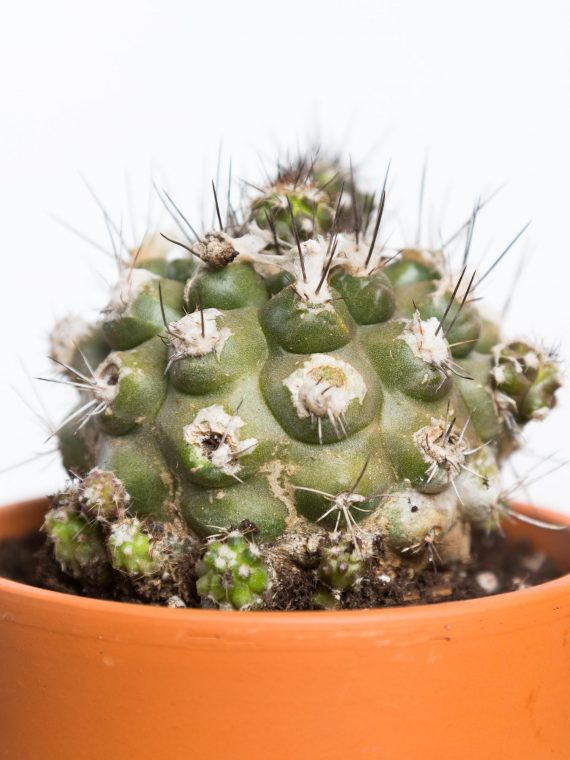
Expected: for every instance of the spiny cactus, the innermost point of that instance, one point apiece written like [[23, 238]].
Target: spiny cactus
[[231, 573], [340, 569], [78, 545], [347, 401]]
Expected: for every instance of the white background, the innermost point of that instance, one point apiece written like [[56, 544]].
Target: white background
[[120, 91]]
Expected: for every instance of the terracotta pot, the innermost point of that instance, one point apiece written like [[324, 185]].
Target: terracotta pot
[[83, 679]]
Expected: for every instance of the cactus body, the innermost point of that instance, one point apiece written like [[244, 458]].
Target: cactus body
[[231, 573], [291, 373]]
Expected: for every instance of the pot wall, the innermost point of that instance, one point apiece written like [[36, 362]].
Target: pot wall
[[476, 680]]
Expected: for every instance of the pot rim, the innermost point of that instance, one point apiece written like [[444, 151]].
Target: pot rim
[[554, 594]]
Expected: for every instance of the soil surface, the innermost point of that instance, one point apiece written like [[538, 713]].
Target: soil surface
[[496, 567]]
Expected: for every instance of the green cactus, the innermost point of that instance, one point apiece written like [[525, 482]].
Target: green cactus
[[340, 569], [102, 496], [231, 573], [291, 372], [130, 548], [78, 544]]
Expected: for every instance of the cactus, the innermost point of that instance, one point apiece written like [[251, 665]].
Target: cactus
[[286, 372], [231, 573], [340, 569], [78, 544]]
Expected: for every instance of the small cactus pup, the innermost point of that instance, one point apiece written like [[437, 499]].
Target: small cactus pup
[[284, 398], [232, 573], [340, 569]]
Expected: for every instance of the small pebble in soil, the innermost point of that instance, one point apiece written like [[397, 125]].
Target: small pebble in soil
[[534, 562], [175, 602], [488, 581]]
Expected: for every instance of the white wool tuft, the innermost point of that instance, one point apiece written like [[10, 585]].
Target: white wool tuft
[[130, 284], [314, 260], [186, 339], [214, 420], [124, 532], [313, 398], [426, 342]]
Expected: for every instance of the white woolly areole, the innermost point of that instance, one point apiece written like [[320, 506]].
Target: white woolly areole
[[106, 380], [442, 449], [225, 559], [65, 336], [215, 435], [124, 532], [92, 495], [351, 256], [499, 374], [130, 284], [186, 339], [251, 248], [426, 342], [324, 387], [314, 253], [253, 242], [254, 549], [314, 260]]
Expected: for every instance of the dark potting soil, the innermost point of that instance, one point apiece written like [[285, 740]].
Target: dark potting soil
[[495, 567]]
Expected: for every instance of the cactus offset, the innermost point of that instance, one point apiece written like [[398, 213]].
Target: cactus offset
[[231, 573], [287, 373]]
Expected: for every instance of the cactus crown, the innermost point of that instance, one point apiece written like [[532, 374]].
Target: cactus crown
[[289, 373]]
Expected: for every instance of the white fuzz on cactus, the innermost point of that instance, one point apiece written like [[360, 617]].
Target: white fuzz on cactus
[[325, 387], [215, 437], [131, 282], [426, 340], [197, 334]]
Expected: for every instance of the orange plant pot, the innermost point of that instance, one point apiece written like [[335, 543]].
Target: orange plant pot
[[84, 679]]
